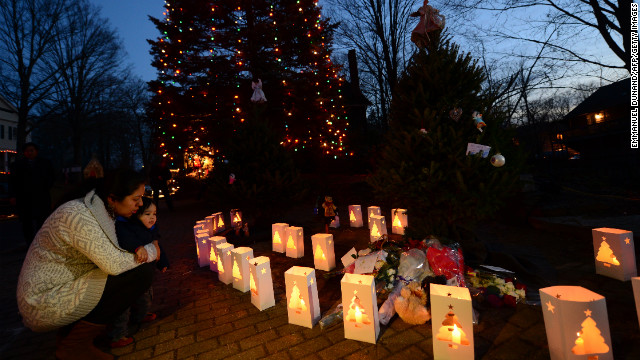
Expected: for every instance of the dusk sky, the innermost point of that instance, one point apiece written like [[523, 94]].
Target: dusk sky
[[129, 17]]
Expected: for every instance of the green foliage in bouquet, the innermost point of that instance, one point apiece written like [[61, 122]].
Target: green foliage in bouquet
[[423, 166], [266, 178]]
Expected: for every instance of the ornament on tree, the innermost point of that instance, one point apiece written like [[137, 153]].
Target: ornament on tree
[[430, 20], [477, 118], [498, 160], [258, 94], [455, 114]]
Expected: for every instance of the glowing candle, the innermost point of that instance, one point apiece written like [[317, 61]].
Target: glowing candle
[[358, 316], [352, 217], [579, 348], [455, 335]]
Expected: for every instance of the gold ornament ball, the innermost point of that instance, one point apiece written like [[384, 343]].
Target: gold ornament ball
[[497, 160]]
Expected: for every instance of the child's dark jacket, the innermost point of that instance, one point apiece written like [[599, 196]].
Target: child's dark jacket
[[132, 234]]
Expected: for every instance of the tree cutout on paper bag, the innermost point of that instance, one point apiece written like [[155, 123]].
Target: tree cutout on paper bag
[[236, 271], [374, 231], [252, 284], [589, 340], [290, 243], [319, 254], [221, 222], [356, 313], [605, 254], [296, 302], [276, 238], [220, 266], [451, 330], [352, 216], [212, 256], [396, 221]]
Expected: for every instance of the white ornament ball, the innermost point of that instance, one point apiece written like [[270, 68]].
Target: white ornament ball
[[497, 160]]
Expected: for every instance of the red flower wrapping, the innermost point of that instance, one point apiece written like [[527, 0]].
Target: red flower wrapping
[[447, 262]]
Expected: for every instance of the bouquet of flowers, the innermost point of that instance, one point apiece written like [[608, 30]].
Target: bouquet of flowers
[[496, 290]]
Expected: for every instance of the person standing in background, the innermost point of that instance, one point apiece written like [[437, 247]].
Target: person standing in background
[[158, 178], [30, 183]]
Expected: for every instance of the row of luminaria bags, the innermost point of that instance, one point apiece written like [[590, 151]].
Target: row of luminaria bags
[[576, 319]]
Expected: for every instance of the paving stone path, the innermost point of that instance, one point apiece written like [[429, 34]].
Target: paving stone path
[[201, 318]]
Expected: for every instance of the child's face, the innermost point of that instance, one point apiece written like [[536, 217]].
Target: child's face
[[148, 216]]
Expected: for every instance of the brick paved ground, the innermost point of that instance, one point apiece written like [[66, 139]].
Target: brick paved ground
[[201, 318]]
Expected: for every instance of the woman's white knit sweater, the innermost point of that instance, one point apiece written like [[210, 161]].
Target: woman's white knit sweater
[[66, 268]]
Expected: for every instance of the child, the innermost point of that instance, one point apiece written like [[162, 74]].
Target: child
[[138, 234], [329, 212]]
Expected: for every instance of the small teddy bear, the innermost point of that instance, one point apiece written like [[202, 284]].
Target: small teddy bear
[[411, 304]]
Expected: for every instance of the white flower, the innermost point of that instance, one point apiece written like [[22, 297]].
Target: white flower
[[379, 264], [391, 278], [391, 271], [389, 286], [521, 293]]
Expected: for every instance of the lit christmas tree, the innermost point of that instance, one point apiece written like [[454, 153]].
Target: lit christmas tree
[[207, 56]]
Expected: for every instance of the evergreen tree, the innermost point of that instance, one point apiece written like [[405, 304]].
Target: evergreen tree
[[208, 55], [266, 177], [423, 166]]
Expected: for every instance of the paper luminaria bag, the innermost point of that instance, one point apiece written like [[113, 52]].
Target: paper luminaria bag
[[240, 268], [355, 216], [324, 257], [210, 223], [278, 233], [220, 225], [236, 218], [360, 308], [303, 306], [614, 253], [378, 228], [398, 221], [202, 248], [261, 283], [451, 322], [225, 263], [372, 210], [576, 322], [635, 283], [214, 241], [295, 242]]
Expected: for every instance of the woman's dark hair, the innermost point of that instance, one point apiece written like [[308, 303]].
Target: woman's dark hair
[[119, 183]]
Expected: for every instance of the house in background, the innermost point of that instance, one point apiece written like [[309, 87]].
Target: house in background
[[599, 129], [8, 134]]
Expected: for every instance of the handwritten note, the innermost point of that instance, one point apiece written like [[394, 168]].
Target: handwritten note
[[365, 264], [347, 259], [473, 149]]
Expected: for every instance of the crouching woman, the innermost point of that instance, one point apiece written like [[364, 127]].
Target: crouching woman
[[75, 274]]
